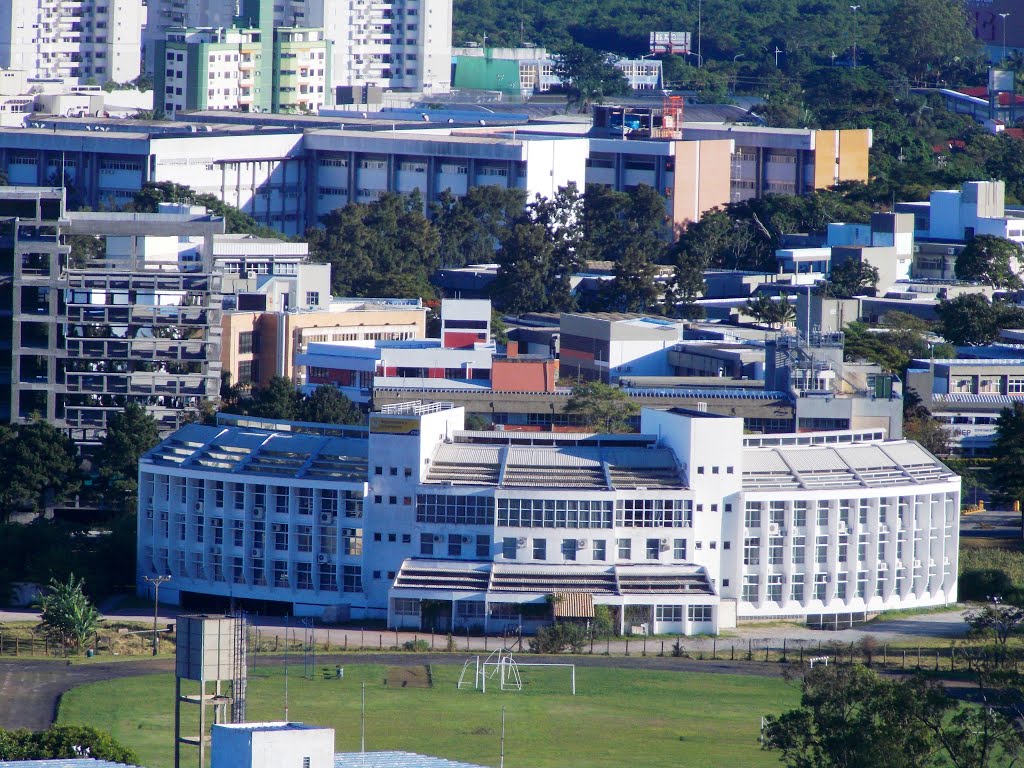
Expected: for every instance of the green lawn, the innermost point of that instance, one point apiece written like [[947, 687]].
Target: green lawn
[[617, 718]]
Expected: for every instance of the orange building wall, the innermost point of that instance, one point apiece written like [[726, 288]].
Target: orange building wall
[[854, 147], [519, 375], [702, 179]]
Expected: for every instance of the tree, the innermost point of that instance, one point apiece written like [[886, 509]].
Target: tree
[[1008, 452], [130, 434], [996, 620], [328, 406], [849, 717], [468, 227], [524, 261], [929, 432], [927, 36], [64, 741], [601, 407], [278, 400], [633, 289], [68, 617], [387, 247], [850, 278], [40, 466], [587, 76], [990, 260], [148, 199], [971, 319], [770, 311]]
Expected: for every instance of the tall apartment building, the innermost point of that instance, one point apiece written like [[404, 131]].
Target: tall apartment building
[[138, 324], [286, 69], [97, 39], [397, 44]]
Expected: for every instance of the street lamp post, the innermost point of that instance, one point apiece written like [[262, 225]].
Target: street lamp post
[[854, 8], [156, 581], [1003, 17]]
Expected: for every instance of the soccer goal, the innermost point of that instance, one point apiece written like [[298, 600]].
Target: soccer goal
[[501, 671]]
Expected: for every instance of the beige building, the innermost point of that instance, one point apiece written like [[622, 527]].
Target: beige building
[[258, 345]]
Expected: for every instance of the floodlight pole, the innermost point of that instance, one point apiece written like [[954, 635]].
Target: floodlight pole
[[501, 762], [156, 581], [362, 721]]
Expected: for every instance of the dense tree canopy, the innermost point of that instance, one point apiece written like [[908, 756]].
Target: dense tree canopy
[[148, 199], [971, 319], [1008, 452], [990, 260], [281, 399], [587, 77], [130, 434], [64, 741], [601, 407], [40, 467]]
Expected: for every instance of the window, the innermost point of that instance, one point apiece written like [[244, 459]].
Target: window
[[508, 547], [352, 578], [752, 515], [799, 547], [454, 545], [625, 549], [483, 546], [796, 591], [568, 549], [799, 514], [540, 549], [752, 551], [600, 549], [775, 548], [698, 613], [245, 342], [775, 587], [821, 549], [654, 513], [841, 586], [679, 549], [668, 613], [654, 549], [427, 543], [823, 513], [750, 588], [454, 510], [304, 538], [550, 513]]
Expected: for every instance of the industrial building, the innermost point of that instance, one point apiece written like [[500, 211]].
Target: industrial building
[[687, 527]]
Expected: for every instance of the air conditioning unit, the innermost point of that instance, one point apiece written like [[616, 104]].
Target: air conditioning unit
[[521, 541], [883, 528], [842, 526], [438, 538], [466, 539], [257, 513], [883, 566], [773, 529], [581, 543], [278, 527], [931, 562], [917, 563], [326, 517], [199, 506], [323, 559], [257, 552]]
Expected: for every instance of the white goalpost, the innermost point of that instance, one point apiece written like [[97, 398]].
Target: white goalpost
[[501, 669]]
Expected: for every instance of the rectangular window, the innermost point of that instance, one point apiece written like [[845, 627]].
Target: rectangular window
[[775, 587], [752, 551], [245, 345], [540, 549], [679, 549], [508, 547], [427, 544], [750, 588], [821, 586], [568, 549], [796, 591], [654, 549], [698, 613], [454, 545], [821, 549], [672, 613], [775, 549], [483, 546], [799, 514], [625, 549], [752, 516], [352, 578], [799, 548], [823, 511], [600, 549]]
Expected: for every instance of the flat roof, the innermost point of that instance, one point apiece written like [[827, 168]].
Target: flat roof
[[395, 760]]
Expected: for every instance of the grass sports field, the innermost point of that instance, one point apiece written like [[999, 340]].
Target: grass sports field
[[618, 717]]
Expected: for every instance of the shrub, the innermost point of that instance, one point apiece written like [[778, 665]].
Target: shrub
[[418, 646], [558, 637]]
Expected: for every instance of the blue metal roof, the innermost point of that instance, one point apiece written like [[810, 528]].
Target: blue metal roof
[[395, 760]]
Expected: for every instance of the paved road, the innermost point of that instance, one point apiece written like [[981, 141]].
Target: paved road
[[1000, 524]]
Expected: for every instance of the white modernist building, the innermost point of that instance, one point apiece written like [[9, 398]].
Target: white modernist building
[[57, 39], [686, 527]]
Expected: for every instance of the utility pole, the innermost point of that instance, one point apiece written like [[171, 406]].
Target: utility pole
[[777, 52], [854, 8], [1003, 17], [156, 581], [700, 22]]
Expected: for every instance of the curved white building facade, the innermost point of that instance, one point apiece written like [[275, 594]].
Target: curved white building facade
[[687, 527]]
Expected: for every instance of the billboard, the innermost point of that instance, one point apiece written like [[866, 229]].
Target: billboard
[[670, 42], [391, 425]]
